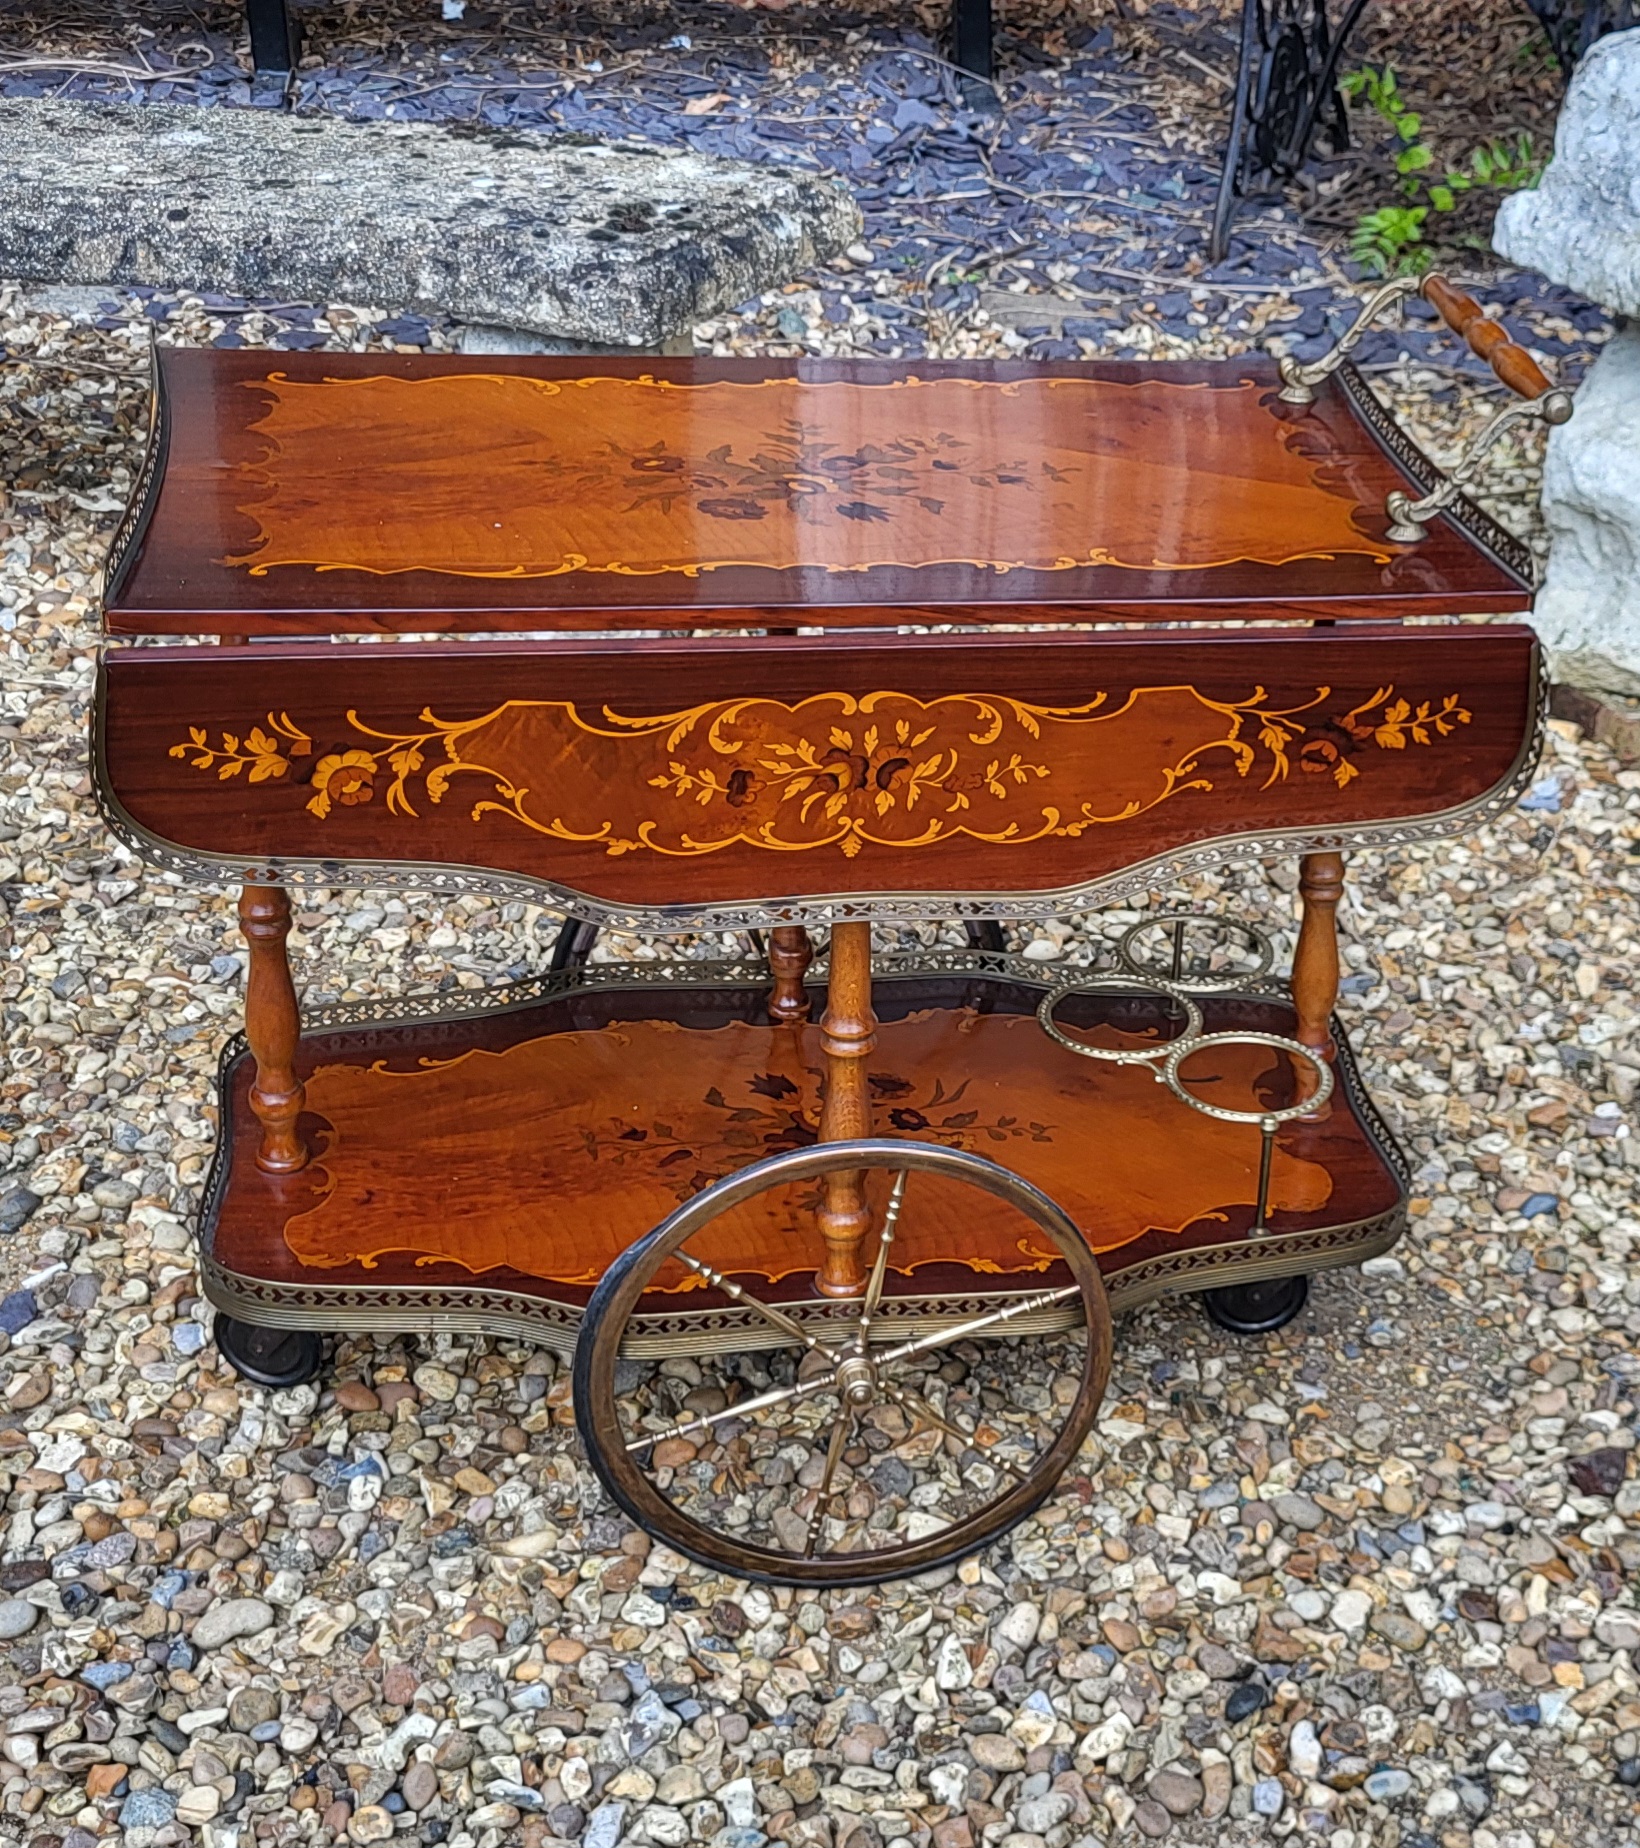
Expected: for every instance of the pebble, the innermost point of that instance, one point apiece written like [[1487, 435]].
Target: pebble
[[17, 1617], [1387, 1785], [1152, 1819], [419, 1785], [1178, 1793], [1351, 1609], [1304, 1750], [147, 1809], [230, 1621], [18, 1205]]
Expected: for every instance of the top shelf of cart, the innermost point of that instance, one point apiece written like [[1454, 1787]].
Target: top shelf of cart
[[324, 493]]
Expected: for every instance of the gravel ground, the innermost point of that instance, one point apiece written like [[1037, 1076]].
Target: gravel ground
[[1367, 1581]]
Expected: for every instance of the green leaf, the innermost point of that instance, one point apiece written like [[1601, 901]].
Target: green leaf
[[1414, 159], [1408, 125], [1441, 198]]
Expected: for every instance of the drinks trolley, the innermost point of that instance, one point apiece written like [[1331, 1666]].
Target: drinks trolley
[[789, 650]]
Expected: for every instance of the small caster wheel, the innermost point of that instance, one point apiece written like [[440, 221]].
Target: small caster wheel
[[272, 1357], [1257, 1308]]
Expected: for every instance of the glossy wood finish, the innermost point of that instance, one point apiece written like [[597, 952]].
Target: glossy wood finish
[[461, 1154], [790, 953], [848, 1037], [273, 1026], [1315, 959], [317, 494], [1488, 340], [660, 774]]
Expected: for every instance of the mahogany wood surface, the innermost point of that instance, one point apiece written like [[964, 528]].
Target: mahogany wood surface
[[848, 1038], [273, 1027], [307, 494], [661, 773], [1488, 340], [468, 1152]]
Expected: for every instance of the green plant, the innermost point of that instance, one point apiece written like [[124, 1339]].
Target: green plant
[[1392, 239], [1383, 95], [1510, 166]]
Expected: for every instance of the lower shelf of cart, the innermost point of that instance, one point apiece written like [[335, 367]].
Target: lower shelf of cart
[[484, 1170]]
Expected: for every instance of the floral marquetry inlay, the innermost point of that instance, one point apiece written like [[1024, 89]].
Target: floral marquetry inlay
[[650, 476], [837, 770]]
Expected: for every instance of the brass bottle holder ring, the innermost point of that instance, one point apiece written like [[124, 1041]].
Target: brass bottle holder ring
[[1267, 1120], [1181, 1049], [1166, 1059], [1178, 922], [1120, 984]]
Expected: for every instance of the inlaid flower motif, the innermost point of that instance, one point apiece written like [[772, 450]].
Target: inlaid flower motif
[[736, 509], [781, 777], [348, 778], [260, 755]]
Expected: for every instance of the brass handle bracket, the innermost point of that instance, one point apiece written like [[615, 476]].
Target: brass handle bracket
[[1409, 519], [1536, 398], [1299, 379]]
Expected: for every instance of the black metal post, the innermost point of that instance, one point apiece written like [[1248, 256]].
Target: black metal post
[[276, 45], [971, 47]]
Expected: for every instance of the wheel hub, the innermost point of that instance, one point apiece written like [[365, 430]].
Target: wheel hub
[[856, 1379]]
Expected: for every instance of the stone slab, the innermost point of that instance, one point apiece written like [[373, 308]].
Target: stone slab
[[1581, 224], [577, 240]]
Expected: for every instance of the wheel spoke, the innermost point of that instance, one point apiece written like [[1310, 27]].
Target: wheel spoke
[[787, 1325], [879, 1268], [834, 1450], [1044, 1299], [915, 1403], [806, 1390]]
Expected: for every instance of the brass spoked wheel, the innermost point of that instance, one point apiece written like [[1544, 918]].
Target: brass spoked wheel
[[813, 1440]]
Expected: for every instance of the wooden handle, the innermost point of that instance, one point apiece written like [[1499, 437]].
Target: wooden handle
[[1487, 339]]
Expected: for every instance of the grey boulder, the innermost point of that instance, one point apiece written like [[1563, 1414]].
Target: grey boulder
[[1581, 224]]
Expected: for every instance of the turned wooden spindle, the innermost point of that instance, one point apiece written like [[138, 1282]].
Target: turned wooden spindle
[[790, 954], [848, 1036], [1315, 962], [273, 1026], [1488, 340]]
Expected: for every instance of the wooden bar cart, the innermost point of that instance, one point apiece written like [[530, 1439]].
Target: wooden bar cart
[[795, 650]]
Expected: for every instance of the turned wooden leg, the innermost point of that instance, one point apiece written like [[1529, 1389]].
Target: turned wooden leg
[[848, 1035], [790, 954], [273, 1025], [1315, 963]]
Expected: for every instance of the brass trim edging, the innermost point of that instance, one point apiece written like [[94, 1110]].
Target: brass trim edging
[[145, 491]]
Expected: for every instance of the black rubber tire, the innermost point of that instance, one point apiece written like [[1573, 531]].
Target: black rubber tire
[[1257, 1308], [573, 944], [271, 1357]]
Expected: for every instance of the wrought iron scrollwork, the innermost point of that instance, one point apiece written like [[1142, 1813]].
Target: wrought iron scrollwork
[[1572, 26], [1286, 89]]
